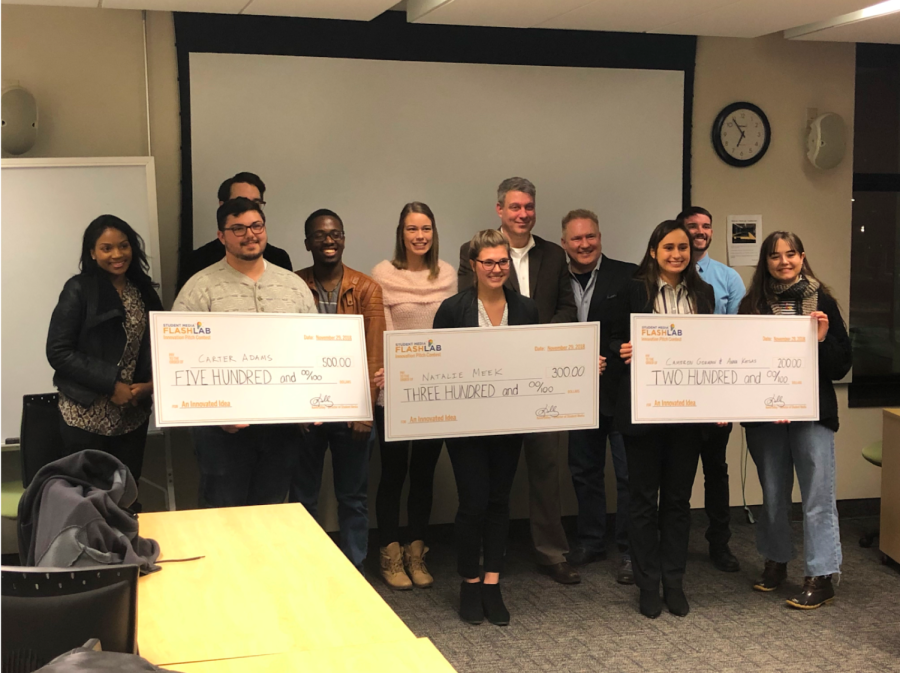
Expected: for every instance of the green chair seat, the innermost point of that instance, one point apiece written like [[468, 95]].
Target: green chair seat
[[872, 453], [10, 495]]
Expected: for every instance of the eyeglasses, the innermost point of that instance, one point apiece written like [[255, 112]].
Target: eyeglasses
[[240, 230], [320, 236], [489, 264]]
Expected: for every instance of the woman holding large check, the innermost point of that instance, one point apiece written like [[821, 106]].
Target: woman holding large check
[[662, 458], [484, 467], [784, 284]]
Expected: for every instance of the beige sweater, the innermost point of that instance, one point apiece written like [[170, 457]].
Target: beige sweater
[[410, 298]]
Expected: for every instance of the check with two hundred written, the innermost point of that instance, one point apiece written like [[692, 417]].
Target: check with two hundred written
[[491, 381], [723, 368], [235, 368]]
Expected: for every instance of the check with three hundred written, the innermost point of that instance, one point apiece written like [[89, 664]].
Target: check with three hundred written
[[491, 381], [723, 368], [235, 368]]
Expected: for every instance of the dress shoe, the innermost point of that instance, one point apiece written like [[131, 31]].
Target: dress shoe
[[816, 592], [651, 605], [581, 556], [561, 572], [494, 608], [470, 604], [625, 574], [773, 575], [676, 601], [723, 559]]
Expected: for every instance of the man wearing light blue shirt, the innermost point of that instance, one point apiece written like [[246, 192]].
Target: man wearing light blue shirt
[[729, 290]]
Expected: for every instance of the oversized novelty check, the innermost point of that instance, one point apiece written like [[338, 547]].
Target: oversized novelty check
[[701, 368], [491, 381], [232, 368]]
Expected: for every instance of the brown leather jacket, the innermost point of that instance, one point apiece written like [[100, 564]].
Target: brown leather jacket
[[360, 295]]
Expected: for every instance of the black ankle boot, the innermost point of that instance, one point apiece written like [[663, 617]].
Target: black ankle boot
[[492, 601], [651, 605], [817, 591], [676, 601], [470, 608]]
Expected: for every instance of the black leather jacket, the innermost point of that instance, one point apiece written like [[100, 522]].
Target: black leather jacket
[[87, 338]]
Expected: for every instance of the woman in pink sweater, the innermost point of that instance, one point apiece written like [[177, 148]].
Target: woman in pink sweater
[[415, 283]]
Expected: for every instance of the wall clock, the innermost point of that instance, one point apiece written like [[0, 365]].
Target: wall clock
[[741, 134]]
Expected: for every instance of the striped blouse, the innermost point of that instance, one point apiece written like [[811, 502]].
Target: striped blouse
[[673, 300]]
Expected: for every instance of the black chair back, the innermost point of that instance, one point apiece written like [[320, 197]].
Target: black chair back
[[49, 611], [40, 441]]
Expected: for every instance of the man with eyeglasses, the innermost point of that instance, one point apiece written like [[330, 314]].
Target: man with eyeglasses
[[248, 186], [338, 289], [241, 464], [539, 271]]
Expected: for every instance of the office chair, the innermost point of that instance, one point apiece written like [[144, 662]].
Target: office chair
[[49, 611], [40, 441], [872, 453]]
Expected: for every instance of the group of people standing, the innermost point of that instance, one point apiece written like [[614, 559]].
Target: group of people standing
[[98, 344]]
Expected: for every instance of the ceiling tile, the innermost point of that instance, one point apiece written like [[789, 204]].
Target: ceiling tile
[[355, 10], [881, 30], [500, 13], [630, 16], [753, 18], [208, 6], [55, 3]]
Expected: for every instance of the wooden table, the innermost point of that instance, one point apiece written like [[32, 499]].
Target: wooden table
[[407, 656], [889, 529], [271, 581]]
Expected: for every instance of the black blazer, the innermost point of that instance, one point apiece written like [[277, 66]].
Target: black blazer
[[612, 278], [86, 338], [214, 251], [461, 310], [548, 280], [634, 299]]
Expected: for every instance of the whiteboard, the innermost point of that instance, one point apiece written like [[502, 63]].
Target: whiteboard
[[364, 137], [46, 206]]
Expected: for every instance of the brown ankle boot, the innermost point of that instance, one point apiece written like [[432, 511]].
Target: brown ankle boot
[[392, 568], [414, 560]]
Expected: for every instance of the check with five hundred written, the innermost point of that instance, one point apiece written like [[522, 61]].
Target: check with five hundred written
[[491, 381], [723, 368], [235, 368]]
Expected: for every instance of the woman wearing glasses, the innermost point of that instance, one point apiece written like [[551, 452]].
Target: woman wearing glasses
[[662, 459], [484, 466], [413, 283], [99, 345], [784, 284]]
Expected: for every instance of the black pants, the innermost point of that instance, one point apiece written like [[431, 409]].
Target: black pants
[[715, 475], [661, 469], [484, 468], [396, 459], [129, 448]]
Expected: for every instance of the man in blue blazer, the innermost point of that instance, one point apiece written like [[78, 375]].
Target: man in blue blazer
[[596, 281]]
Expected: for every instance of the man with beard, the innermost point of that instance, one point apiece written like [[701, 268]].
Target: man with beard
[[241, 464], [340, 290], [729, 289]]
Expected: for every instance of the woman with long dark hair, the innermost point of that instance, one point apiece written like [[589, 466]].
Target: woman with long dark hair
[[662, 458], [99, 345], [414, 283], [784, 284]]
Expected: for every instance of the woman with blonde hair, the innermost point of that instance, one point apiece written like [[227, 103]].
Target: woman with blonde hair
[[414, 283]]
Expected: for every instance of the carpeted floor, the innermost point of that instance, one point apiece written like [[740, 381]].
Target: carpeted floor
[[596, 626]]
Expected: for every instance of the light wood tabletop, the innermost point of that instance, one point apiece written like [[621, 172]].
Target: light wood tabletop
[[270, 581], [407, 656]]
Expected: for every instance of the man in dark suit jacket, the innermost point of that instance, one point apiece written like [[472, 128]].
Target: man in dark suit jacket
[[596, 281], [539, 271], [250, 186]]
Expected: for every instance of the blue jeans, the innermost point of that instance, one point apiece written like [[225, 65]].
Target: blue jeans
[[587, 463], [249, 467], [350, 464], [808, 448]]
